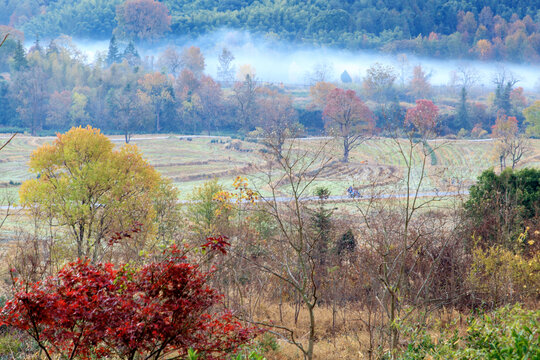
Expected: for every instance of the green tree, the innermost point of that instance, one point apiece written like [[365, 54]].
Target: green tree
[[131, 55], [532, 119], [498, 205], [113, 55], [19, 58]]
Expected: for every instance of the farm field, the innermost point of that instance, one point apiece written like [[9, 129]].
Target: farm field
[[189, 161]]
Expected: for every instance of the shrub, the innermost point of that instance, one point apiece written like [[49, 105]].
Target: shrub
[[165, 307], [498, 276], [507, 333]]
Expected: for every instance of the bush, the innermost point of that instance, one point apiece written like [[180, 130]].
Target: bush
[[498, 276], [507, 333]]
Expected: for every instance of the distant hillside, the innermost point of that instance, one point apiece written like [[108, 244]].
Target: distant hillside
[[486, 29]]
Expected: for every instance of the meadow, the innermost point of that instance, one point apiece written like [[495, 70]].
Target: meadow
[[190, 161]]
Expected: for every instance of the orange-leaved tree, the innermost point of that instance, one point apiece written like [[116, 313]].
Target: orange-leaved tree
[[143, 19], [348, 118], [423, 117]]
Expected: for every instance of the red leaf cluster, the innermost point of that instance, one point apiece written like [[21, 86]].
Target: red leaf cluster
[[162, 308], [120, 235], [423, 116], [217, 244]]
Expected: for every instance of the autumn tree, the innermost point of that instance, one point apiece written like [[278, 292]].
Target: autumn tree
[[142, 19], [211, 100], [131, 55], [532, 119], [78, 111], [156, 90], [348, 118], [277, 119], [127, 109], [192, 59], [171, 60], [319, 92], [423, 117], [91, 190], [245, 95], [321, 73], [379, 81], [29, 89], [293, 260], [510, 145], [419, 87], [58, 108], [165, 308]]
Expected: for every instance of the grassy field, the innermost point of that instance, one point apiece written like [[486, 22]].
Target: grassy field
[[189, 161]]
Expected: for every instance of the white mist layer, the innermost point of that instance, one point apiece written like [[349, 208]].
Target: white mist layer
[[281, 62]]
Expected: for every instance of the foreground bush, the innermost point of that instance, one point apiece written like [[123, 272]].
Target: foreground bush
[[507, 333], [160, 310]]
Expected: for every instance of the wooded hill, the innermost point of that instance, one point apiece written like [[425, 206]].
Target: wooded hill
[[486, 29]]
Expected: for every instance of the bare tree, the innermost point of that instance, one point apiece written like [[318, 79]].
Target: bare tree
[[225, 69], [402, 240], [293, 262]]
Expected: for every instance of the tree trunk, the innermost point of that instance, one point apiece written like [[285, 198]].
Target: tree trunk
[[346, 149]]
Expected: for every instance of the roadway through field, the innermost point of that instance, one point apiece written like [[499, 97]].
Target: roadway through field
[[283, 199]]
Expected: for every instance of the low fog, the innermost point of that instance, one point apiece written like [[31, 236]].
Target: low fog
[[277, 61]]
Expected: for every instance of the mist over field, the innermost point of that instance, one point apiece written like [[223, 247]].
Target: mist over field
[[280, 61]]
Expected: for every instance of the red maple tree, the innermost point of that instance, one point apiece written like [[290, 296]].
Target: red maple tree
[[348, 117], [423, 117], [159, 310]]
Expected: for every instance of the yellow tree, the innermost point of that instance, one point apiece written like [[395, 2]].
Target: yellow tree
[[156, 89], [509, 143], [92, 190], [319, 92]]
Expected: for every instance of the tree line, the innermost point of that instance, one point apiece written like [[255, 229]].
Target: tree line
[[503, 30]]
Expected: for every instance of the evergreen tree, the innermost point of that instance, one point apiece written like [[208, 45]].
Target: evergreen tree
[[345, 77], [113, 56], [36, 47], [19, 59], [322, 225], [131, 55], [52, 48], [462, 116], [347, 243]]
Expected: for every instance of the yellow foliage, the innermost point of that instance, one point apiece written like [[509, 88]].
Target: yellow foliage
[[497, 275], [91, 189]]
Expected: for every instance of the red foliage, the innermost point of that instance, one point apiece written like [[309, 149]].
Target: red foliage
[[346, 109], [423, 116], [217, 244], [160, 308]]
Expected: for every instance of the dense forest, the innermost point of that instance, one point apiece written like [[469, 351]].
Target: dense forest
[[466, 28]]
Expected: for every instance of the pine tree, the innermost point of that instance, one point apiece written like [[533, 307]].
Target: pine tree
[[113, 56], [131, 55], [36, 47], [322, 225], [52, 48], [19, 58], [345, 77]]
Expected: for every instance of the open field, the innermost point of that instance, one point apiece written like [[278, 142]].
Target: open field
[[189, 161]]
